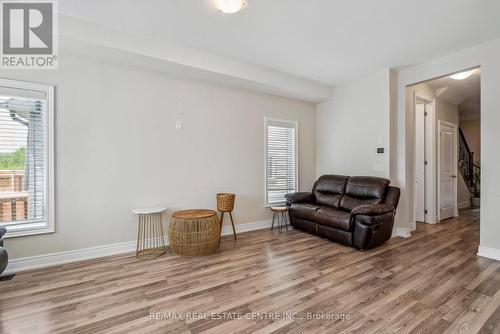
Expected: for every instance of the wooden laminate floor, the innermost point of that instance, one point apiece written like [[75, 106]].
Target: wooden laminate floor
[[270, 282]]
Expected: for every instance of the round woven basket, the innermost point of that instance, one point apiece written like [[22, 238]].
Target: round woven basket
[[194, 232], [225, 202]]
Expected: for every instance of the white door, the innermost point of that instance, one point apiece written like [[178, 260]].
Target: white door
[[447, 170], [419, 160]]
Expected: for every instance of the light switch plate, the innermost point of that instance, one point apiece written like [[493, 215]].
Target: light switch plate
[[178, 125]]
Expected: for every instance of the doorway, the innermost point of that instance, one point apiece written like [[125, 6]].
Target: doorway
[[445, 118]]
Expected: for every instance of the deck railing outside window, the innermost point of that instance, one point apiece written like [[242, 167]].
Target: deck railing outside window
[[13, 199]]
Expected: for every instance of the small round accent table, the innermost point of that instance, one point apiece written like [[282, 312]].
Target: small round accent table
[[150, 237], [280, 213], [194, 232]]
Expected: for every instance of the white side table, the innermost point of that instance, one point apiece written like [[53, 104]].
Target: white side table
[[150, 236]]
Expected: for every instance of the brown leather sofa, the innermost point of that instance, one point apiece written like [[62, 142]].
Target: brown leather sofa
[[355, 211], [4, 257]]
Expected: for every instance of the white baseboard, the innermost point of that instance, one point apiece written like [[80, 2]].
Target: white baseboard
[[490, 253], [403, 232], [240, 228], [463, 205], [47, 260]]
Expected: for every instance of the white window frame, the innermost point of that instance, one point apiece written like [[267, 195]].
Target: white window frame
[[17, 230], [295, 124]]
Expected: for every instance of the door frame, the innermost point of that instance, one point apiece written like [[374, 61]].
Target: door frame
[[455, 168], [430, 149]]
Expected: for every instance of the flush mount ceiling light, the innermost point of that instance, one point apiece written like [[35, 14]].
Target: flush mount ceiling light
[[230, 6], [461, 75]]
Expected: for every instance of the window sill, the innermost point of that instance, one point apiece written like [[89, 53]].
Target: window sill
[[22, 230]]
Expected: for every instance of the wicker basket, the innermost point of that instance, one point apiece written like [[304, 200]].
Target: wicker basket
[[225, 202], [194, 232]]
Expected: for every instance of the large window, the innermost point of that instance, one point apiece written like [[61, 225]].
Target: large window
[[26, 168], [281, 160]]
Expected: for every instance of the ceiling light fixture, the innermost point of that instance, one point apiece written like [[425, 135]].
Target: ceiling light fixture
[[461, 75], [230, 6]]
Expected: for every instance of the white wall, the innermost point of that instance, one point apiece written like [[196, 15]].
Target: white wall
[[350, 125], [117, 148], [486, 56], [446, 112]]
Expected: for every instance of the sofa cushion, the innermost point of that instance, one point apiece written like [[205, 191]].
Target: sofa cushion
[[328, 190], [362, 190], [304, 210], [335, 218]]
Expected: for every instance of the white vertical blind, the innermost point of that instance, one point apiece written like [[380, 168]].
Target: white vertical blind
[[281, 160], [23, 157]]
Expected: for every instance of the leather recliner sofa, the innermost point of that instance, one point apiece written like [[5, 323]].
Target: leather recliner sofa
[[4, 257], [355, 211]]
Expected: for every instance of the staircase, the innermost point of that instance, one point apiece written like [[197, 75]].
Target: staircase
[[470, 170]]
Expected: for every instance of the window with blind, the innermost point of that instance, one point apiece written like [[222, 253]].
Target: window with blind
[[26, 191], [281, 160]]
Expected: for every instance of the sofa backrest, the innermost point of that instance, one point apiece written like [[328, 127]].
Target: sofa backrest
[[329, 189], [360, 190]]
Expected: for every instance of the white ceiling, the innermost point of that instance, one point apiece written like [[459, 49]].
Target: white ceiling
[[329, 41], [466, 94]]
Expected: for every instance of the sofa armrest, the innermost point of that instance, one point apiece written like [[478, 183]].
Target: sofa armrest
[[299, 197], [392, 196], [3, 230], [372, 210], [372, 230]]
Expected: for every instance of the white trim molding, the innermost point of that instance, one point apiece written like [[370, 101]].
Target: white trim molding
[[48, 260], [248, 227], [403, 232], [490, 253]]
